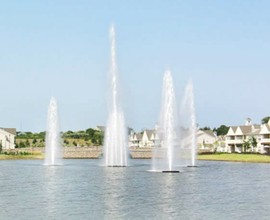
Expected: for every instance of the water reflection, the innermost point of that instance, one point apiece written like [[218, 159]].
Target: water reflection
[[167, 195], [114, 191], [51, 189], [83, 190]]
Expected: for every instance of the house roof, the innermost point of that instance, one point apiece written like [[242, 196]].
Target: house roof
[[255, 129], [209, 132], [246, 129], [234, 128], [267, 126], [101, 128], [257, 126], [10, 130], [138, 136], [149, 133]]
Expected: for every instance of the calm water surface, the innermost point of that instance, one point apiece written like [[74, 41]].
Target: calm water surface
[[82, 189]]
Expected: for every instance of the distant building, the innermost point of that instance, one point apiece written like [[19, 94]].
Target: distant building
[[150, 138], [100, 128], [248, 138], [265, 137], [206, 139], [7, 138], [135, 140], [146, 138]]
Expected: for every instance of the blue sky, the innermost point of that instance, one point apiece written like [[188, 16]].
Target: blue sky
[[61, 48]]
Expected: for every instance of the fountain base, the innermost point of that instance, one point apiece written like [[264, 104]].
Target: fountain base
[[116, 166], [170, 171]]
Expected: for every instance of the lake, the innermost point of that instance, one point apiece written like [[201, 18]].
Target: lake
[[83, 189]]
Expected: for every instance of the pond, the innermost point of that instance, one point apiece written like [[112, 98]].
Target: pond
[[83, 189]]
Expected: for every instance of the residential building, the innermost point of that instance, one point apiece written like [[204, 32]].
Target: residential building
[[7, 138], [206, 139], [150, 138], [248, 138], [135, 140], [265, 138]]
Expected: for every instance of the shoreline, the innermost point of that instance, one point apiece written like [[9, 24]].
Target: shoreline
[[234, 157], [234, 161], [145, 153]]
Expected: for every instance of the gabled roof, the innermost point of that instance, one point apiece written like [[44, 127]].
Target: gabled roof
[[265, 129], [257, 126], [149, 133], [208, 132], [138, 136], [10, 130], [255, 129], [233, 128], [246, 129]]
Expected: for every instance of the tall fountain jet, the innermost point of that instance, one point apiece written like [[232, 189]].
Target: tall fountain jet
[[164, 157], [53, 151], [188, 122], [116, 130]]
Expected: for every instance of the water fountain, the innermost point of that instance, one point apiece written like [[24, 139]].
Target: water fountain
[[168, 132], [53, 151], [188, 123], [116, 131]]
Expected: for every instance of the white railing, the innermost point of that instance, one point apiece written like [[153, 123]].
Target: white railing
[[237, 141], [265, 140]]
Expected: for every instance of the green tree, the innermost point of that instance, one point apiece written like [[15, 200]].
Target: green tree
[[90, 132], [21, 144], [98, 138], [221, 130], [265, 120], [41, 135], [253, 142], [246, 145], [68, 134], [66, 141], [34, 141], [206, 128], [27, 143]]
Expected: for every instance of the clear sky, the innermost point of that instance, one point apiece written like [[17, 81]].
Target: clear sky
[[61, 48]]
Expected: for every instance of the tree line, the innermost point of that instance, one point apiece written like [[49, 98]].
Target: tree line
[[86, 137]]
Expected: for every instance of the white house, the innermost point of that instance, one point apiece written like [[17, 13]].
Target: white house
[[206, 139], [150, 138], [146, 138], [265, 138], [135, 140], [7, 138], [238, 136]]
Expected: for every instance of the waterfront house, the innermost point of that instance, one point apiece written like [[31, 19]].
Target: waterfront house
[[245, 138], [135, 140], [265, 138], [148, 138], [7, 138], [206, 140]]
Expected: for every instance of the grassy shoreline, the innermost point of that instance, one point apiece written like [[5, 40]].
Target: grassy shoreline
[[250, 158], [21, 157]]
